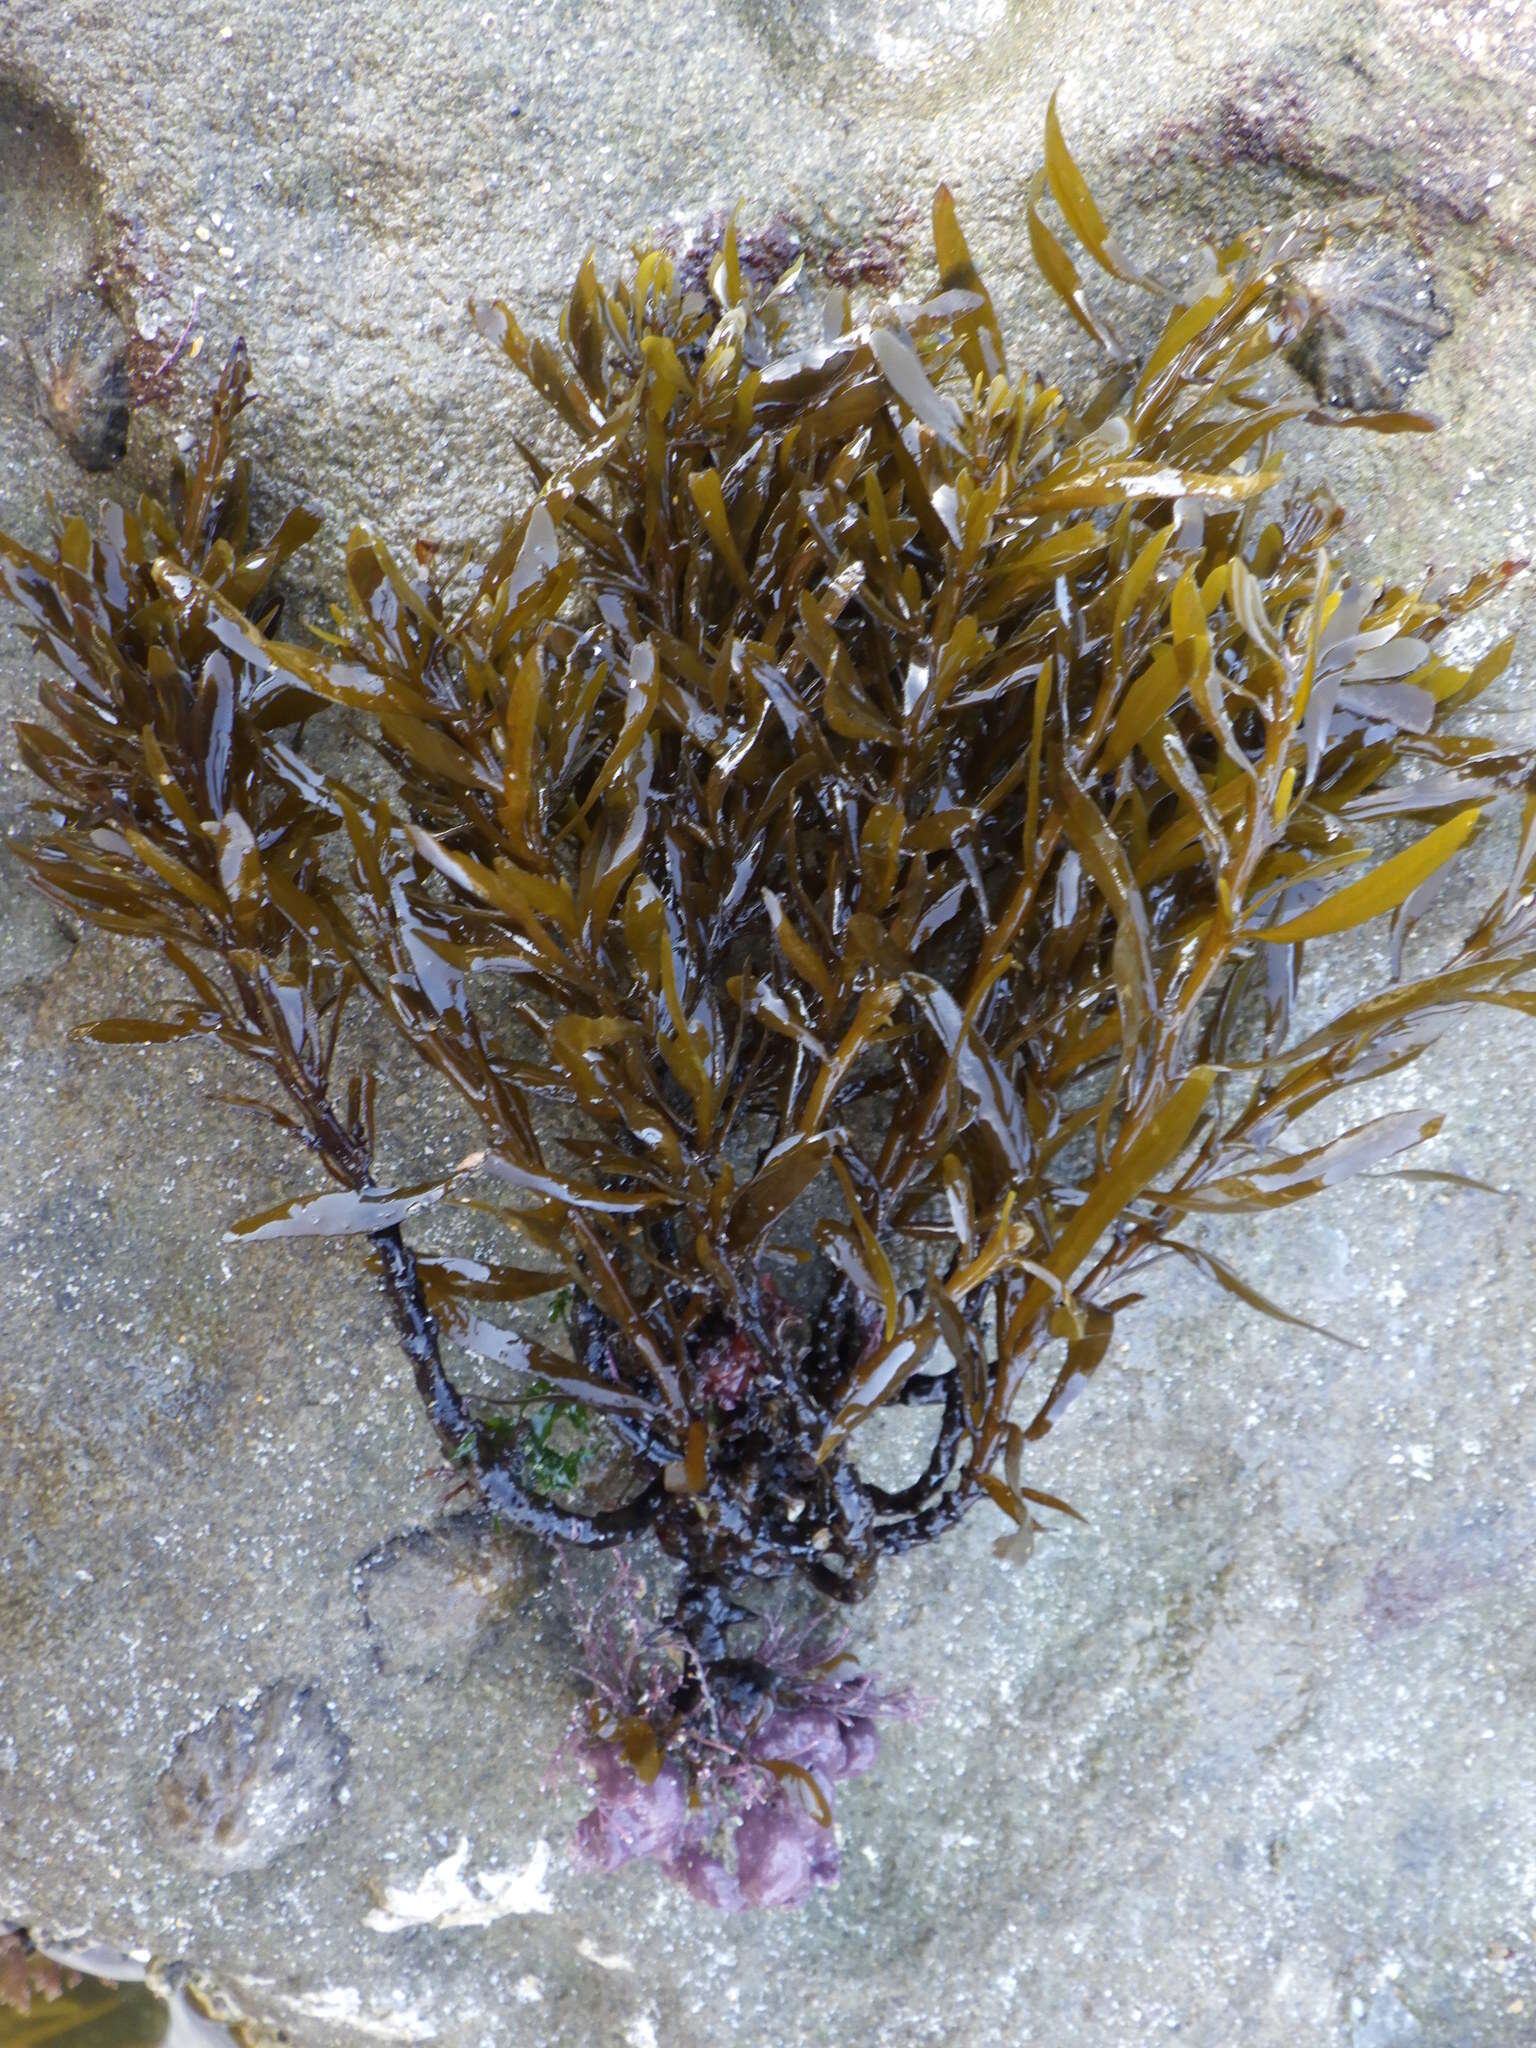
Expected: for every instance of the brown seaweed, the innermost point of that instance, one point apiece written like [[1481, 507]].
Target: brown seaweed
[[853, 848]]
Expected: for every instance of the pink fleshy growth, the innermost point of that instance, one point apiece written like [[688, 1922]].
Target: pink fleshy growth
[[783, 1854], [631, 1819], [782, 1851], [861, 1746], [811, 1737], [723, 1819], [707, 1878]]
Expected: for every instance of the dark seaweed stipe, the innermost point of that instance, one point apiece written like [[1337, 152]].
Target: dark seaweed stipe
[[852, 848]]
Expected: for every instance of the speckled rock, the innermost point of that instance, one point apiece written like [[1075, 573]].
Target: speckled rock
[[1246, 1761]]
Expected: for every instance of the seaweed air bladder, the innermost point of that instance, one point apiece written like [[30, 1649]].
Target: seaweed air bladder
[[852, 848]]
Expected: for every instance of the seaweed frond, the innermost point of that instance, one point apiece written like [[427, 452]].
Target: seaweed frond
[[853, 847]]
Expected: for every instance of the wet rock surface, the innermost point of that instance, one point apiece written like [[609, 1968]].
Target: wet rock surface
[[1247, 1760], [34, 939]]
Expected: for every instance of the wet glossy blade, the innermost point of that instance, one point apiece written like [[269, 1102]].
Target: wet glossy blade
[[1387, 886], [340, 1212]]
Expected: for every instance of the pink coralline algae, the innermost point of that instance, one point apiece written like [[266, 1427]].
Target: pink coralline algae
[[726, 1368]]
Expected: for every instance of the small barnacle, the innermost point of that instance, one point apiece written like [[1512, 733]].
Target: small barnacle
[[78, 354], [1371, 323], [435, 1598], [252, 1782]]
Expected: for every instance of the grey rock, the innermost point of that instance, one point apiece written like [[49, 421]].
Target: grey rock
[[34, 939], [1269, 1715], [50, 219], [1385, 2023], [253, 1782]]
